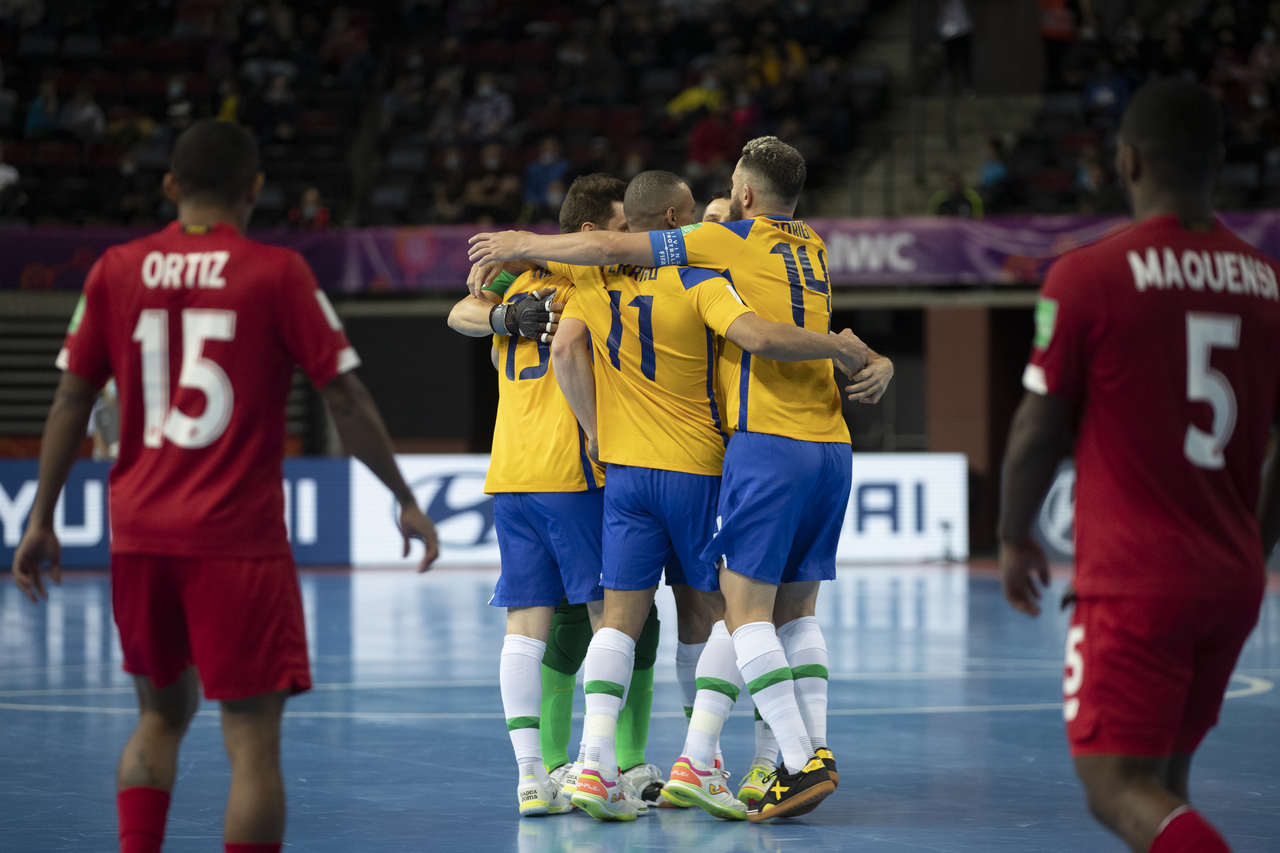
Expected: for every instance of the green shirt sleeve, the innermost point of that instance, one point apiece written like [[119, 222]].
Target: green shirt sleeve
[[500, 284]]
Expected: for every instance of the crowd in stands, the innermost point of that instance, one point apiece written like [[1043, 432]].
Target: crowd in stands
[[422, 111], [1097, 55]]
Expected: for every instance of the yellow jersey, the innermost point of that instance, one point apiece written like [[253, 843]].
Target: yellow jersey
[[779, 267], [537, 444], [653, 334]]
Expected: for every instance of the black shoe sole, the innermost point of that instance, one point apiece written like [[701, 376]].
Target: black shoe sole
[[801, 803]]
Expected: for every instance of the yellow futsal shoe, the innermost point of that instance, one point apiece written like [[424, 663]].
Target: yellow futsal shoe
[[791, 794], [692, 784], [536, 797], [604, 799], [829, 762], [754, 785]]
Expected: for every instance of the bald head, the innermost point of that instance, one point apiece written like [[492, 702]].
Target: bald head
[[656, 200]]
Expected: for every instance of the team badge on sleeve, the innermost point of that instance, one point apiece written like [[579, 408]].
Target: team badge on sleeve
[[1046, 318]]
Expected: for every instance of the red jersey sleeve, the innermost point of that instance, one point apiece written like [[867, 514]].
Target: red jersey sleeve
[[1065, 316], [312, 331], [85, 351]]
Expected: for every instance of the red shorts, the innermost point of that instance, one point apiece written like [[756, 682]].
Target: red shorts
[[238, 621], [1146, 676]]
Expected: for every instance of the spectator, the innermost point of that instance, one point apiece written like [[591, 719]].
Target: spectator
[[705, 94], [958, 199], [1264, 62], [994, 183], [1099, 194], [493, 194], [277, 112], [549, 168], [310, 214], [82, 117], [8, 104], [228, 101], [42, 115], [488, 112], [449, 189], [955, 28], [713, 142]]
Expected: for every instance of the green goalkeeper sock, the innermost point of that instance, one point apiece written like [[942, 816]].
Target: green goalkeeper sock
[[633, 721], [556, 712]]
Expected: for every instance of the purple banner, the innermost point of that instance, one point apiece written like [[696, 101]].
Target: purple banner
[[860, 252]]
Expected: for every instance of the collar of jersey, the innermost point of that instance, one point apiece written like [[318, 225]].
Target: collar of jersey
[[217, 228], [780, 218]]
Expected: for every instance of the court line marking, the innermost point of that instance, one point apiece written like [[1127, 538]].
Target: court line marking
[[481, 682], [1253, 686]]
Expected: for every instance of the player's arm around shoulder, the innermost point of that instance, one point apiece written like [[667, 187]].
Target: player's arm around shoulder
[[571, 358], [584, 248], [470, 315]]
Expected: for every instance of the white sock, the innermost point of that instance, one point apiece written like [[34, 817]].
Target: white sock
[[719, 683], [806, 651], [520, 680], [607, 674], [768, 677], [687, 657], [766, 744]]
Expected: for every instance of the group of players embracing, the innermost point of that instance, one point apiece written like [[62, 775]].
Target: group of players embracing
[[677, 378]]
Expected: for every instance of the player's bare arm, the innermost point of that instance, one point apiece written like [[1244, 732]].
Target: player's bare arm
[[535, 318], [571, 357], [869, 384], [365, 437], [63, 431], [585, 248], [1039, 438], [786, 342]]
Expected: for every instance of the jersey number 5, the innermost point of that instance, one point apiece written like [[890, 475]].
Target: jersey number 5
[[1204, 384], [199, 373]]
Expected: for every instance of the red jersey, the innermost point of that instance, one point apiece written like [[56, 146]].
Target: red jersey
[[201, 329], [1168, 343]]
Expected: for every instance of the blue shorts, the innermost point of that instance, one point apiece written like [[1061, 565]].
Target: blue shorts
[[655, 518], [782, 504], [550, 547]]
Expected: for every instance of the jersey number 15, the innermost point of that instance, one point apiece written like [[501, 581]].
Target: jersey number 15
[[197, 372]]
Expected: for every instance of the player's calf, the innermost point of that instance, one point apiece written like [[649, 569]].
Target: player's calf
[[255, 803]]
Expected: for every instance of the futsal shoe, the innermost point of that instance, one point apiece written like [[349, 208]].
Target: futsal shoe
[[567, 774], [829, 762], [604, 799], [754, 784], [692, 784], [791, 794], [537, 797], [645, 782]]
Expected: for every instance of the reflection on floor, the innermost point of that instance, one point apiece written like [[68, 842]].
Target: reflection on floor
[[944, 716]]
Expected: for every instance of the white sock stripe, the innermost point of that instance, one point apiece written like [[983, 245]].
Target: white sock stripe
[[1172, 816]]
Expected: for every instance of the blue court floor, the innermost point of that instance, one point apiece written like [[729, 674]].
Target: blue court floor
[[944, 717]]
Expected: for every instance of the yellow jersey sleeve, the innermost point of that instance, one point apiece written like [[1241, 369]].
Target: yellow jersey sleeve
[[532, 409], [714, 298], [703, 244]]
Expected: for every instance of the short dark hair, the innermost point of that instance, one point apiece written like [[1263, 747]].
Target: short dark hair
[[590, 198], [1176, 125], [215, 161], [651, 193], [779, 164]]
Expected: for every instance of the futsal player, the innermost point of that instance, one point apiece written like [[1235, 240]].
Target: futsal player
[[1155, 358], [201, 329], [717, 210], [648, 397], [787, 467], [547, 510]]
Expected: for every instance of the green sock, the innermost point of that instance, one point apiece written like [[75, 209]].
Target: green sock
[[633, 721], [556, 713]]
